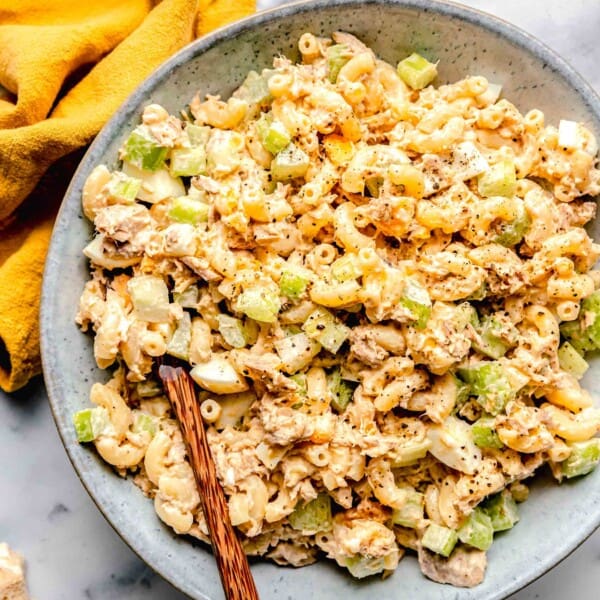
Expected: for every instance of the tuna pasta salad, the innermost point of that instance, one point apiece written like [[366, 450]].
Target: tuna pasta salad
[[384, 291]]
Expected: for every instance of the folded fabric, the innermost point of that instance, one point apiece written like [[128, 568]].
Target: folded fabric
[[65, 68]]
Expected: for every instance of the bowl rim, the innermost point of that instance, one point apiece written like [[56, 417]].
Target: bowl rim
[[491, 23]]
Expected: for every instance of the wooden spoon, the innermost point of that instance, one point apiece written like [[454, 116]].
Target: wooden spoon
[[234, 569]]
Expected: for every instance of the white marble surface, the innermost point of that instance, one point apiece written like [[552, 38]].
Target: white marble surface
[[46, 514]]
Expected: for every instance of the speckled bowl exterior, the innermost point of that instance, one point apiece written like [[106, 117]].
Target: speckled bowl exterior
[[553, 521]]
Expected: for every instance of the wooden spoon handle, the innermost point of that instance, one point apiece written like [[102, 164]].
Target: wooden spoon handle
[[234, 569]]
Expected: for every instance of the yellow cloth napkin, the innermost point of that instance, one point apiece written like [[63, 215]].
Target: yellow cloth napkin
[[65, 68]]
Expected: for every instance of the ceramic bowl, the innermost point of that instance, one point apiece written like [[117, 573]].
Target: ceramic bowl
[[553, 521]]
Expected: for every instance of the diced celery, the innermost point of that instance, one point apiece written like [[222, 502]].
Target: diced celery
[[583, 458], [218, 376], [512, 233], [439, 539], [361, 566], [251, 331], [322, 326], [123, 187], [337, 56], [188, 161], [197, 134], [83, 425], [341, 390], [484, 433], [404, 456], [345, 268], [311, 517], [490, 384], [143, 150], [416, 71], [584, 334], [491, 342], [290, 163], [272, 134], [179, 344], [416, 299], [232, 330], [296, 351], [499, 180], [293, 283], [477, 531], [156, 185], [502, 510], [144, 422], [188, 210], [300, 380], [571, 361], [150, 297], [255, 91], [260, 304], [90, 423], [188, 298], [412, 511]]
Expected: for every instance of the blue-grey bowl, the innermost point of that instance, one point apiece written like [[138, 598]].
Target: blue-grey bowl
[[554, 521]]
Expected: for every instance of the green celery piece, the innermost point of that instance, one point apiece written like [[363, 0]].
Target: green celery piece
[[179, 344], [188, 162], [416, 299], [411, 513], [197, 134], [477, 531], [232, 330], [512, 233], [342, 391], [296, 351], [502, 510], [345, 269], [150, 297], [188, 210], [463, 391], [144, 422], [83, 425], [311, 517], [90, 423], [272, 134], [491, 344], [293, 284], [583, 458], [290, 163], [404, 456], [499, 180], [416, 71], [123, 187], [439, 539], [188, 298], [255, 91], [361, 566], [337, 56], [490, 384], [484, 433], [322, 326], [142, 150], [480, 293], [571, 361], [260, 304], [300, 380], [585, 337]]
